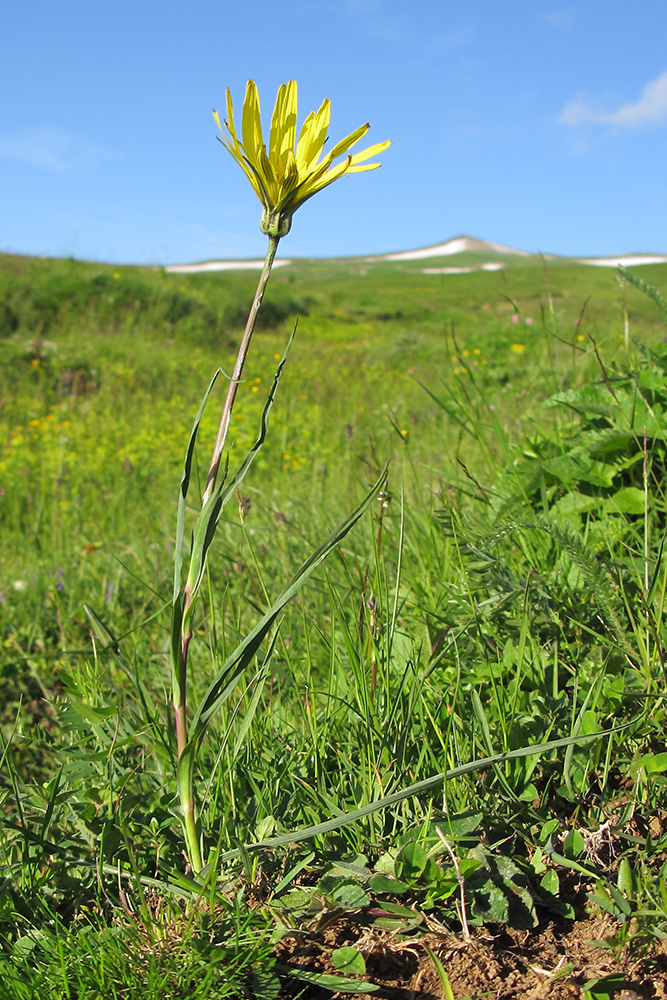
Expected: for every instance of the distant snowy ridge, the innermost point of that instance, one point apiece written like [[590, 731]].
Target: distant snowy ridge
[[629, 260], [458, 245], [222, 265]]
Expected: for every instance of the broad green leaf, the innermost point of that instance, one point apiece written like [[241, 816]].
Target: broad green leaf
[[654, 763], [606, 987], [343, 891], [410, 862], [349, 960], [384, 884], [500, 894], [550, 882], [574, 845], [574, 503], [395, 909], [298, 900], [629, 500], [457, 827]]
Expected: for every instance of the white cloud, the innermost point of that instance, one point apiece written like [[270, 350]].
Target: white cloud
[[650, 109], [53, 149]]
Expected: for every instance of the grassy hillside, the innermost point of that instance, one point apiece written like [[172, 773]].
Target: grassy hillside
[[507, 590]]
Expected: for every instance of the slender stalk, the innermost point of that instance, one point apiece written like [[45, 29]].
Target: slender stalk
[[185, 781], [238, 369]]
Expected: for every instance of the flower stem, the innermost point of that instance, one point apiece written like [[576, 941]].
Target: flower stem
[[238, 369], [186, 792]]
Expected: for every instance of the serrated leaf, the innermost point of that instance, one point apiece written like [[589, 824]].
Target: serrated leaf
[[629, 500], [297, 899]]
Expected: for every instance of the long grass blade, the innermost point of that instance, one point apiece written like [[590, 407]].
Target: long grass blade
[[417, 789]]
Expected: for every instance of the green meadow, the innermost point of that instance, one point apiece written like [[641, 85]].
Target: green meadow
[[505, 589]]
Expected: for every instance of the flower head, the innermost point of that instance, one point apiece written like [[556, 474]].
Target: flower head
[[291, 171]]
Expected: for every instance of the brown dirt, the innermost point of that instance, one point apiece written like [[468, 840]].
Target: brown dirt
[[503, 966]]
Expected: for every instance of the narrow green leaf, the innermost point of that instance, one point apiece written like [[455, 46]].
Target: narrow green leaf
[[478, 709], [102, 633], [337, 984], [447, 990], [185, 485], [254, 701], [569, 753], [418, 788], [176, 636], [293, 872], [208, 517], [237, 662]]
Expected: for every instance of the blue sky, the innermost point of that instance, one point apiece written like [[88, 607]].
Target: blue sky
[[538, 124]]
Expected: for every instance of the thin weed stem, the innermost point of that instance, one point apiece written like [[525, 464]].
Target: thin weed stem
[[228, 405], [186, 777]]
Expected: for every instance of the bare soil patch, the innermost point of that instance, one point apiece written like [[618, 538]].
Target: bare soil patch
[[554, 961]]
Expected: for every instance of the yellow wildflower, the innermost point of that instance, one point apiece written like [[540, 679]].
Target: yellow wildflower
[[291, 171]]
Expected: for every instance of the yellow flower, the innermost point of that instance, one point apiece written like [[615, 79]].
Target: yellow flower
[[292, 171]]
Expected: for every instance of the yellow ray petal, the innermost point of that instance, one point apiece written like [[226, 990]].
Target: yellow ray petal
[[365, 154], [283, 126], [315, 182], [231, 128], [238, 156], [349, 141], [364, 166], [259, 183], [277, 122], [251, 126], [313, 136]]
